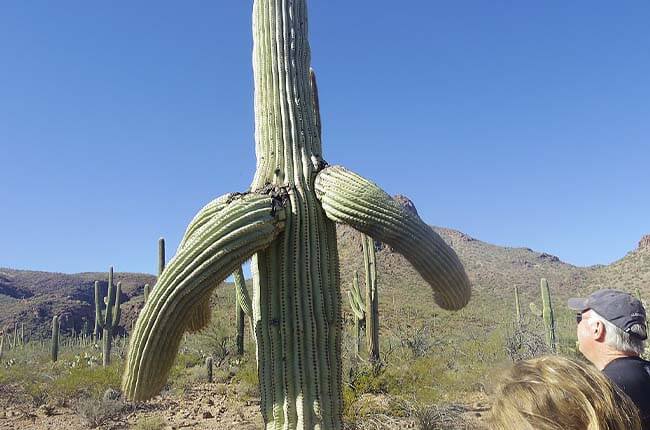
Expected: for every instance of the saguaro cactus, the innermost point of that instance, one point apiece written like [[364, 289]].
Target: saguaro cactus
[[358, 311], [372, 298], [161, 255], [111, 318], [2, 344], [286, 223], [547, 314], [243, 307], [208, 368], [55, 338]]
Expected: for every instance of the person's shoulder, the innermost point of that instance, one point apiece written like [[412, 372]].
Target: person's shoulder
[[627, 367]]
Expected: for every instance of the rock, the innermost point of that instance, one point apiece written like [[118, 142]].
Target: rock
[[210, 402], [207, 415], [644, 243]]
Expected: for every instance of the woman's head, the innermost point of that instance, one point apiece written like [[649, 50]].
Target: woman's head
[[555, 393]]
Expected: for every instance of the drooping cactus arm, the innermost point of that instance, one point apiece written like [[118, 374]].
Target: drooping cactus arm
[[350, 199], [246, 224]]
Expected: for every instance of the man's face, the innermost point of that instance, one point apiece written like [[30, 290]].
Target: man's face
[[586, 335]]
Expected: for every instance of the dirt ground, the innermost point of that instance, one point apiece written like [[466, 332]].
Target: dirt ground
[[204, 406]]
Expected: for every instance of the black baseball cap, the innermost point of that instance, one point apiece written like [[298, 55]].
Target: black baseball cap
[[618, 307]]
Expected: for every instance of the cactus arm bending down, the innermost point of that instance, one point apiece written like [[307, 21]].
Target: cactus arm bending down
[[246, 224], [243, 298], [350, 199]]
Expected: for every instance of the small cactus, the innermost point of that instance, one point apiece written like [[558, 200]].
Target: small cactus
[[547, 314], [517, 306], [55, 338], [147, 291], [161, 255], [2, 344], [208, 368], [372, 298], [358, 311], [243, 307]]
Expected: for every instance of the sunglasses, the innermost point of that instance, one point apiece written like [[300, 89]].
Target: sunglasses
[[578, 318]]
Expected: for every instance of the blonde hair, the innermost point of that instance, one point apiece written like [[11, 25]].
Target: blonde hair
[[556, 393]]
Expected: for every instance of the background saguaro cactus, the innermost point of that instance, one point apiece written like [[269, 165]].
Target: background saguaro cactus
[[517, 307], [358, 311], [372, 298], [285, 222], [546, 313], [55, 338], [243, 307], [111, 318]]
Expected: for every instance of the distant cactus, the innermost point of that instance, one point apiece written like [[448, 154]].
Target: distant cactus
[[147, 291], [161, 255], [208, 368], [55, 338], [243, 307], [517, 306], [372, 298], [358, 311], [111, 318], [547, 314], [2, 344]]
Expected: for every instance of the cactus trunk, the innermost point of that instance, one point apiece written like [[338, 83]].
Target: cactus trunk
[[547, 314]]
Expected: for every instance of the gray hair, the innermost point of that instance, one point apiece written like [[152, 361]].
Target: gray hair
[[618, 339]]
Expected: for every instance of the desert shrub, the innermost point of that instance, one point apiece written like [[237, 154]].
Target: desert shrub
[[522, 343], [86, 381], [95, 412], [438, 417]]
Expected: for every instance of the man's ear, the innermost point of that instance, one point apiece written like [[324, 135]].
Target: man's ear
[[599, 331]]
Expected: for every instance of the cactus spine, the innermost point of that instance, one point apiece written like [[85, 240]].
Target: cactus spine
[[286, 223], [547, 315], [372, 298], [358, 311], [111, 318], [243, 307], [55, 338]]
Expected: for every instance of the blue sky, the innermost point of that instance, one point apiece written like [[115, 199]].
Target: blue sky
[[520, 124]]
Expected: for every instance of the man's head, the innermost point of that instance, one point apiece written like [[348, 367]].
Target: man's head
[[609, 321]]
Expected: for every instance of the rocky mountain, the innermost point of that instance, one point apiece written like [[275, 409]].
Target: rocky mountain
[[34, 297]]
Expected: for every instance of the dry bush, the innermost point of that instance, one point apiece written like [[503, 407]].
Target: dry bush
[[522, 343], [95, 412]]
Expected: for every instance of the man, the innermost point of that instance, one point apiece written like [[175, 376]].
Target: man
[[611, 335]]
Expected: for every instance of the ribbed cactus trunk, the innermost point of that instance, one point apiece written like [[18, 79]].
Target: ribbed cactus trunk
[[208, 369], [285, 222], [55, 339]]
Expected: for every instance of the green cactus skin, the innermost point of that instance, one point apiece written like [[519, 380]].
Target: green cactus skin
[[358, 311], [208, 368], [517, 306], [243, 307], [111, 318], [55, 338], [546, 313], [285, 222], [372, 298]]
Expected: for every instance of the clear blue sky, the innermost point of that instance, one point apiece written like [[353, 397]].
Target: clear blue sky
[[519, 123]]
